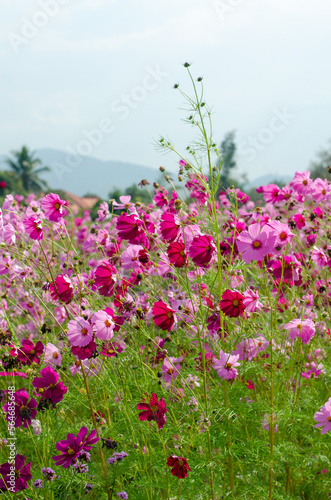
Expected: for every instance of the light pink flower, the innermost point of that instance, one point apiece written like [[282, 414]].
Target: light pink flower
[[103, 211], [103, 325], [52, 355], [130, 257], [225, 366], [250, 348], [319, 257], [305, 329], [79, 332], [266, 423], [323, 417], [251, 301], [256, 243], [125, 204], [282, 233]]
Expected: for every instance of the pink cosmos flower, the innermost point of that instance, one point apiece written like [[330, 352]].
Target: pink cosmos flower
[[169, 227], [24, 409], [22, 475], [171, 368], [323, 417], [319, 257], [250, 348], [79, 332], [128, 226], [225, 366], [320, 190], [299, 220], [202, 249], [63, 289], [130, 257], [103, 325], [103, 211], [256, 243], [54, 207], [282, 233], [48, 385], [33, 227], [251, 301], [125, 204], [301, 182], [305, 329], [271, 193], [53, 355]]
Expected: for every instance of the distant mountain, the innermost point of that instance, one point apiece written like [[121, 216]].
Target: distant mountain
[[263, 180], [84, 174]]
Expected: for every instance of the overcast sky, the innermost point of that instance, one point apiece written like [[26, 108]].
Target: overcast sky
[[73, 66]]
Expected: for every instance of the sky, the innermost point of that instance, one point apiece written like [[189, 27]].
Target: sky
[[96, 77]]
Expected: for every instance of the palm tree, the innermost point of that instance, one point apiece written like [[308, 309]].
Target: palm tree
[[24, 166]]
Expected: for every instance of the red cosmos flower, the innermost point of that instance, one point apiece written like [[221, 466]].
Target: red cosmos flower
[[163, 316], [29, 353], [179, 466], [3, 185], [48, 385], [177, 254], [153, 409], [169, 226], [21, 477], [202, 249], [232, 304], [63, 289], [105, 279], [128, 226], [53, 207]]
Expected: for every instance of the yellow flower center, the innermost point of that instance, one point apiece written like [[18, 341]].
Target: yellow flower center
[[256, 244]]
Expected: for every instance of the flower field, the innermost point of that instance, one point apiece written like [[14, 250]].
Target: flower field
[[174, 350]]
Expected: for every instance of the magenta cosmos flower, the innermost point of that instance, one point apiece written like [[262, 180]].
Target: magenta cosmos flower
[[177, 254], [202, 250], [33, 227], [232, 303], [256, 243], [153, 409], [29, 353], [63, 289], [305, 329], [105, 278], [128, 226], [323, 417], [80, 332], [54, 207], [24, 409], [21, 473], [103, 325], [282, 233], [163, 316], [169, 227], [225, 366], [71, 447], [48, 385]]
